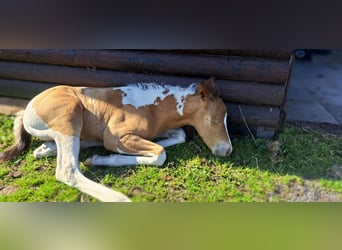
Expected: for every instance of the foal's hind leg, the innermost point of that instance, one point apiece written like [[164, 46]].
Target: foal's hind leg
[[68, 171], [134, 150]]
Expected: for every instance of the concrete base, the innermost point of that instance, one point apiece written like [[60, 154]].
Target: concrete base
[[315, 90]]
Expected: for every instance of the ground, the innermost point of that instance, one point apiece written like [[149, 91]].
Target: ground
[[301, 164], [315, 91]]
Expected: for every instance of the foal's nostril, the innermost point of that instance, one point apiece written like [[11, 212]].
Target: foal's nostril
[[222, 149]]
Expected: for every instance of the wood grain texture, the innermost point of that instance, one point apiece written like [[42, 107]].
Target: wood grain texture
[[270, 70], [232, 91]]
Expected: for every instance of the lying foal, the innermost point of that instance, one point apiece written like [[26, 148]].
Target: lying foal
[[123, 120]]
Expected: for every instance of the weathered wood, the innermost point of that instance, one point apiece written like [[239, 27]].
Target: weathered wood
[[251, 93], [244, 77], [258, 116], [291, 61], [265, 133], [232, 91], [222, 67], [22, 89], [275, 54], [10, 106]]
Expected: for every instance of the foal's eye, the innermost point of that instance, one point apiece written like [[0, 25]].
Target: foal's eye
[[212, 122]]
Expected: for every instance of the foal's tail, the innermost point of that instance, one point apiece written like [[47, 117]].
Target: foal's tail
[[22, 139]]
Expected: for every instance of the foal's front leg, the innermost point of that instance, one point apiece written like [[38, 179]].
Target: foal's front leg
[[134, 150], [171, 137]]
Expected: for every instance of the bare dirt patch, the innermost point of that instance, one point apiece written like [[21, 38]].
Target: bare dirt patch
[[332, 129], [308, 191], [8, 189]]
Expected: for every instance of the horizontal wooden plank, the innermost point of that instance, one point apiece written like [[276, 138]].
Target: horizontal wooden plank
[[258, 116], [10, 106], [28, 89], [232, 91], [275, 54], [22, 89], [221, 67], [251, 93]]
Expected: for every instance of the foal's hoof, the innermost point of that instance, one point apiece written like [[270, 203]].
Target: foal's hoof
[[118, 197], [45, 150], [124, 199], [89, 161]]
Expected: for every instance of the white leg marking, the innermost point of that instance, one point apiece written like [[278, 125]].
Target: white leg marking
[[117, 160], [46, 149], [174, 136], [69, 173], [50, 148]]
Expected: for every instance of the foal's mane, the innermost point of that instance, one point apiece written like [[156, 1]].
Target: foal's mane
[[162, 86], [147, 85], [208, 85]]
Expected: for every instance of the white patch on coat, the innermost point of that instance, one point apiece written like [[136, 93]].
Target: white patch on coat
[[143, 94]]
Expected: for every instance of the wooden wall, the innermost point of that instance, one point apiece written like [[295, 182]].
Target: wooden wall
[[253, 83]]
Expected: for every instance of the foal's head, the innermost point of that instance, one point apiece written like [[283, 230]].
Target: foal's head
[[210, 118]]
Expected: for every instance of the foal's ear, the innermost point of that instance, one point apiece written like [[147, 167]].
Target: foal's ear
[[202, 91], [206, 89], [211, 85]]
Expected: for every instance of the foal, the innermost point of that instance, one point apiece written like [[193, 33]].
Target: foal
[[123, 120]]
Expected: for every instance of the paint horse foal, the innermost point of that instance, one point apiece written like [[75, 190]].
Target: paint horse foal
[[123, 120]]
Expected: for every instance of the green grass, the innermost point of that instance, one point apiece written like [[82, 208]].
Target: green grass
[[298, 166]]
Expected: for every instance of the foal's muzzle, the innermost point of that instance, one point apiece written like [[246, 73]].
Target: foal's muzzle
[[222, 149]]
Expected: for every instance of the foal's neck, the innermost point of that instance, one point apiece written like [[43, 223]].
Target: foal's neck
[[171, 117]]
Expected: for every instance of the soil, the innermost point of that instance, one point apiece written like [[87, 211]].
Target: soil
[[308, 191], [8, 189], [328, 128]]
